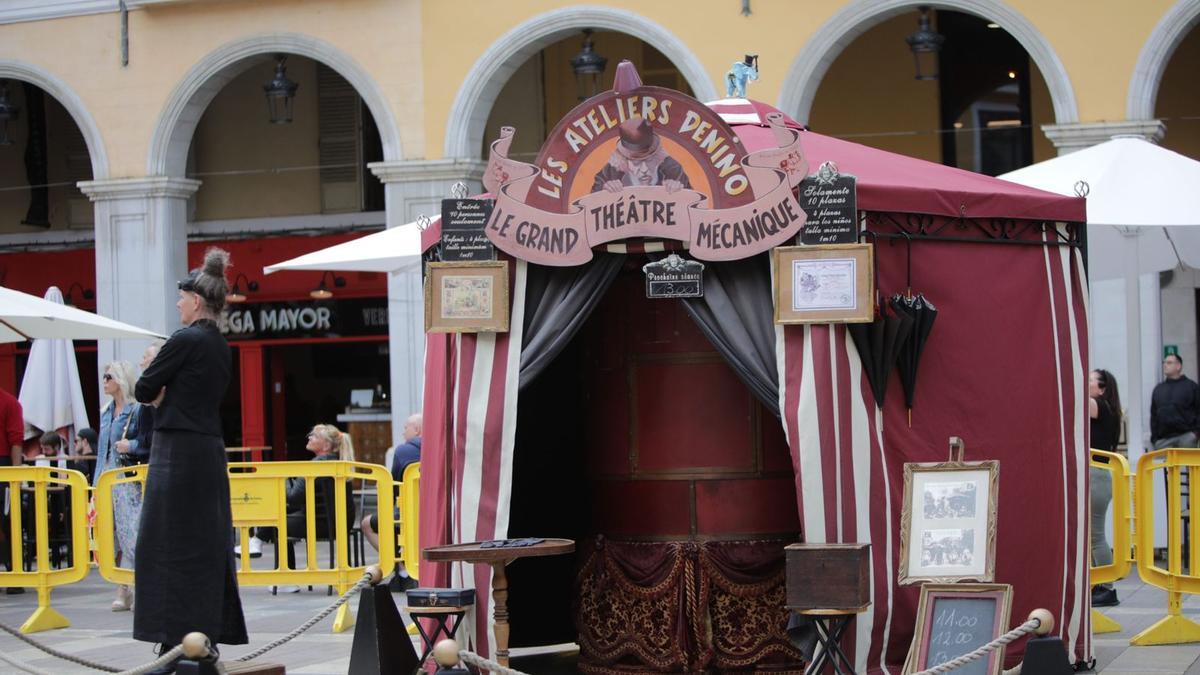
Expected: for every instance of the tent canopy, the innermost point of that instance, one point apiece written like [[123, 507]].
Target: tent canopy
[[395, 249], [25, 317]]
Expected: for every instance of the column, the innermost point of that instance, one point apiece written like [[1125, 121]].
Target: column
[[414, 188], [141, 251], [1071, 137]]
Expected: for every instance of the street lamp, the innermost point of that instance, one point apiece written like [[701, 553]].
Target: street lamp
[[925, 44], [235, 294], [8, 112], [281, 92], [322, 292], [588, 67]]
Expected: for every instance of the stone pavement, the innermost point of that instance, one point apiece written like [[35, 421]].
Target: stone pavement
[[101, 635]]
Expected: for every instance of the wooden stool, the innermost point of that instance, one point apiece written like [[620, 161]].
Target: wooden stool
[[447, 618], [830, 625]]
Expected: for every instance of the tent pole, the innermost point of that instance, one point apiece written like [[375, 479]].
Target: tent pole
[[1133, 347]]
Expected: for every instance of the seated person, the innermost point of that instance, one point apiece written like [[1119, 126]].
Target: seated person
[[406, 453], [326, 443], [85, 446]]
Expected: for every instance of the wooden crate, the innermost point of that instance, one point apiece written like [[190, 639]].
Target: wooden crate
[[828, 576]]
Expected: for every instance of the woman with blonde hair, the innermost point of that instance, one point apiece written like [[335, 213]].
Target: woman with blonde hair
[[116, 444]]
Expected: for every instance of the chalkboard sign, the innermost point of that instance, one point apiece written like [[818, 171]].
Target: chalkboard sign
[[463, 238], [830, 200], [674, 277], [955, 619]]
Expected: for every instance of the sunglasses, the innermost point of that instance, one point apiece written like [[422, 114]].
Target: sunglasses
[[107, 377]]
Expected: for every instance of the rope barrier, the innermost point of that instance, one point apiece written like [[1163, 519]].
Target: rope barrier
[[177, 651], [958, 661], [480, 662]]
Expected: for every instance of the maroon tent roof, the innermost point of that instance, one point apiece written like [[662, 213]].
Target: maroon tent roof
[[891, 182]]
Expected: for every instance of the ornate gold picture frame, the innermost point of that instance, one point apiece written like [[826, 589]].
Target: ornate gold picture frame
[[827, 283], [956, 619], [948, 522], [466, 297]]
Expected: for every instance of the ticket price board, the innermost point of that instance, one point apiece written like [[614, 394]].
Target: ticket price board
[[956, 619], [463, 238]]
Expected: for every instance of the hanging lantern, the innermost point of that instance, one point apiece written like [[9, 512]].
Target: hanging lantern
[[8, 112], [925, 44], [281, 92], [588, 67]]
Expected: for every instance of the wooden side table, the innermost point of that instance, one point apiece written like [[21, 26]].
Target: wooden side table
[[498, 557]]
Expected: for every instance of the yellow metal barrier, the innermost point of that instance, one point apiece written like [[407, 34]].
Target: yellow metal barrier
[[410, 509], [1122, 562], [1173, 628], [38, 481], [258, 496]]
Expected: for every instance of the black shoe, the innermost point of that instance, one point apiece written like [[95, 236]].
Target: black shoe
[[1104, 597], [399, 584]]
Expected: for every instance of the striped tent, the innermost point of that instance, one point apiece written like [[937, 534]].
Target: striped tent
[[1005, 369]]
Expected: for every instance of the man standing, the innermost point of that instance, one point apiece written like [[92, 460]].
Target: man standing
[[1174, 408], [12, 426]]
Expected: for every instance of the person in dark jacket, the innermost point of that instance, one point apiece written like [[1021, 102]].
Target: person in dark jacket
[[1174, 408], [145, 434], [185, 570], [1104, 409]]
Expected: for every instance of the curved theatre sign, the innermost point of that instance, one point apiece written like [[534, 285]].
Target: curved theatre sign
[[645, 162]]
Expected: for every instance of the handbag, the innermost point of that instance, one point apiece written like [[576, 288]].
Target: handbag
[[128, 458]]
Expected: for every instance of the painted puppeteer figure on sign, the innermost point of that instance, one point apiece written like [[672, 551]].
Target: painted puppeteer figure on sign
[[640, 160], [185, 568]]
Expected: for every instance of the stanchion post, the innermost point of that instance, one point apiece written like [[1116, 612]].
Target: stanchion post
[[445, 653]]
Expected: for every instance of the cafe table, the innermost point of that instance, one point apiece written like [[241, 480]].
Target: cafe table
[[498, 556]]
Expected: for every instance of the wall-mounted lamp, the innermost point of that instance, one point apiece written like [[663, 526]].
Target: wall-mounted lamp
[[86, 293], [925, 44], [235, 294], [588, 67], [322, 292], [281, 93], [8, 112]]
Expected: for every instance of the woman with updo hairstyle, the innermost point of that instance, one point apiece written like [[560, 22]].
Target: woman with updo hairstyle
[[185, 573]]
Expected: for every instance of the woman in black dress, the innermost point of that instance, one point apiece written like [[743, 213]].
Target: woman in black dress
[[185, 568], [1104, 409]]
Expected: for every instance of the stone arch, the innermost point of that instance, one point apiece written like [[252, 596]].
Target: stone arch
[[1155, 55], [52, 85], [828, 41], [473, 103], [186, 104]]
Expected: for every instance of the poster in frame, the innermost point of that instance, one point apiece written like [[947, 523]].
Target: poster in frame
[[466, 297], [827, 283], [948, 522], [956, 619]]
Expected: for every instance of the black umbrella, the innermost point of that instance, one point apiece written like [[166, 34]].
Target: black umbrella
[[879, 344], [923, 313]]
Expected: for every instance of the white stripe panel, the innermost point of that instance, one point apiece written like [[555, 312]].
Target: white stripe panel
[[887, 541], [654, 247], [811, 485], [730, 101], [1081, 507], [1062, 440], [618, 248], [741, 118], [860, 439], [472, 479], [1085, 297]]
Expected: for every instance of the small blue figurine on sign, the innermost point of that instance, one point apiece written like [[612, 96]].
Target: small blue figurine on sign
[[742, 72]]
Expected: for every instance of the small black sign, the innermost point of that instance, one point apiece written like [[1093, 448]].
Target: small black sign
[[831, 202], [674, 277], [463, 238]]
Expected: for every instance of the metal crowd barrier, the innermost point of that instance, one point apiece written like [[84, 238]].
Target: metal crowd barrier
[[1122, 562], [258, 494], [1176, 464], [39, 482], [410, 509]]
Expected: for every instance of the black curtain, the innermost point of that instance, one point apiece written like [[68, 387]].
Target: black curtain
[[558, 300]]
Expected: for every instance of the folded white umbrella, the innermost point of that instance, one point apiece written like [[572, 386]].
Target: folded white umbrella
[[51, 396], [396, 249], [1142, 200], [26, 317]]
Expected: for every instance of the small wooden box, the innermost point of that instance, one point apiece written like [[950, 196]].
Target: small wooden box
[[828, 576]]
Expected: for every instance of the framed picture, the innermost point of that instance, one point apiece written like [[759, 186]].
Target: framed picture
[[948, 522], [466, 297], [955, 619], [829, 283]]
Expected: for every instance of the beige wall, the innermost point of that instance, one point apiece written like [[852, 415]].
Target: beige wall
[[1179, 98], [869, 94], [235, 137]]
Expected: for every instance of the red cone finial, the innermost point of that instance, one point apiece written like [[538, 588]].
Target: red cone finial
[[627, 78]]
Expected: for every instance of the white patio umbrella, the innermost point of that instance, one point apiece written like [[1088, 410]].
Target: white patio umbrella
[[51, 396], [1143, 213], [26, 317], [396, 249]]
